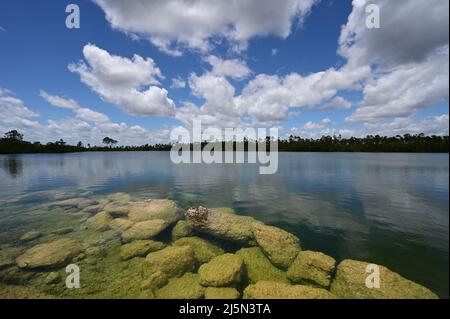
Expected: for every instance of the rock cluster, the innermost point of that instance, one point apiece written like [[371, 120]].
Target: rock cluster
[[259, 262]]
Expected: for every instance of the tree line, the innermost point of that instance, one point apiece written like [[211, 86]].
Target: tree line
[[13, 142]]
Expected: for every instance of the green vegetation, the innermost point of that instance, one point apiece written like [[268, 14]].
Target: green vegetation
[[13, 143]]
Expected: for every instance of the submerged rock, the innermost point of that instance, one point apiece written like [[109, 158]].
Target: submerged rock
[[259, 267], [278, 245], [312, 268], [181, 229], [139, 248], [119, 197], [174, 261], [52, 278], [80, 202], [99, 222], [350, 282], [31, 235], [120, 224], [15, 276], [185, 287], [222, 293], [49, 255], [155, 281], [117, 209], [204, 251], [164, 209], [222, 271], [276, 290], [144, 230], [223, 225]]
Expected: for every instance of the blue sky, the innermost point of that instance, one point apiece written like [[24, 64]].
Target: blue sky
[[296, 73]]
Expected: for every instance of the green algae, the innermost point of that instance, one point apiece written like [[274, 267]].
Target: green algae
[[222, 271], [204, 251], [259, 267], [185, 287], [106, 272], [222, 293]]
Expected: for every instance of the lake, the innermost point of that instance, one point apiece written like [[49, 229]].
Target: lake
[[390, 209]]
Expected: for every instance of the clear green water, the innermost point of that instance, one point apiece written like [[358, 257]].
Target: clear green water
[[391, 209]]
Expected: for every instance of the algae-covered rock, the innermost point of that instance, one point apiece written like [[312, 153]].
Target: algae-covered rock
[[278, 245], [155, 281], [79, 202], [120, 224], [221, 293], [181, 229], [259, 267], [49, 255], [185, 287], [119, 197], [312, 268], [52, 278], [164, 209], [144, 230], [276, 290], [139, 248], [350, 282], [117, 209], [99, 222], [234, 228], [204, 251], [31, 235], [174, 261], [224, 270]]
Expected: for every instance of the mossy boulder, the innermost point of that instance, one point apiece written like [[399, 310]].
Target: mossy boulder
[[313, 268], [278, 245], [181, 229], [54, 254], [350, 282], [117, 209], [155, 281], [140, 248], [204, 251], [259, 267], [144, 230], [185, 287], [276, 290], [120, 224], [31, 235], [227, 293], [222, 271], [99, 222], [223, 225], [174, 261], [164, 209]]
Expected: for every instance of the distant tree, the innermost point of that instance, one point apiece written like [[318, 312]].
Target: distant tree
[[80, 144], [60, 142], [14, 135], [109, 141]]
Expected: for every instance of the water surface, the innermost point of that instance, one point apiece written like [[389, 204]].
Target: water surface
[[391, 209]]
